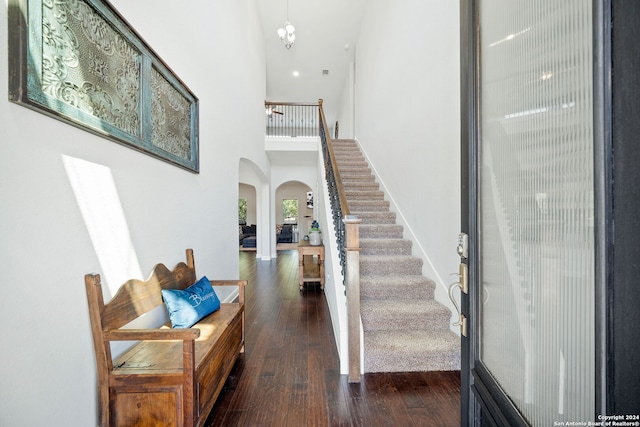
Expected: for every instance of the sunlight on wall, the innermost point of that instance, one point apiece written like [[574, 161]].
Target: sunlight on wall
[[100, 206]]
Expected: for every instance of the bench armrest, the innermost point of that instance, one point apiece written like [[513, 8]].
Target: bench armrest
[[186, 334], [228, 282], [239, 283]]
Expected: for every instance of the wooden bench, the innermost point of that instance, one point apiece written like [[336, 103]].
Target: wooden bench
[[172, 377]]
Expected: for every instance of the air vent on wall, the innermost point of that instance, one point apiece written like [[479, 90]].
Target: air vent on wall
[[325, 72]]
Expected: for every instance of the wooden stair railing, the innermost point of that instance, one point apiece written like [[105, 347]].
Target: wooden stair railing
[[347, 229]]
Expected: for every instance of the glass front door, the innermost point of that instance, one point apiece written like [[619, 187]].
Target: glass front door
[[533, 263]]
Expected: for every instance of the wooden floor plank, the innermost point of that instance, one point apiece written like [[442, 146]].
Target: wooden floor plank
[[289, 374]]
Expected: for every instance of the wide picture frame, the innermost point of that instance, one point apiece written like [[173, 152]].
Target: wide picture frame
[[79, 61]]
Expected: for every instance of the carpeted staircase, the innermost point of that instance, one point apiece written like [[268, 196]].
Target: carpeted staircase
[[405, 329]]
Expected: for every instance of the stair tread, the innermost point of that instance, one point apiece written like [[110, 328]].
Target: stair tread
[[399, 305], [386, 226], [388, 219], [353, 195], [402, 309], [354, 179], [361, 186], [389, 258], [396, 287], [399, 280]]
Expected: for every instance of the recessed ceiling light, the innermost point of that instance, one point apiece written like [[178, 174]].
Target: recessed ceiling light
[[296, 74]]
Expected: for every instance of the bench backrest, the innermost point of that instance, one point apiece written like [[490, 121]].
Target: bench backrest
[[132, 300], [137, 297]]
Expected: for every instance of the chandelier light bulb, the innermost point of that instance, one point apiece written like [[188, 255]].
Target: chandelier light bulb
[[287, 33]]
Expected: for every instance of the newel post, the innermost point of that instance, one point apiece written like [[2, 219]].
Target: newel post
[[352, 282]]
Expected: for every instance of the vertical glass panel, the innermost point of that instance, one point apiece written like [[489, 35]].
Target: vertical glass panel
[[536, 213]]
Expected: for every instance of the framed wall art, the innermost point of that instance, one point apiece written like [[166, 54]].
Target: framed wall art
[[80, 61]]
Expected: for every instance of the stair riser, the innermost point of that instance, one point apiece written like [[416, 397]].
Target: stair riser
[[385, 246], [356, 184], [411, 351], [423, 362], [367, 206], [357, 179], [353, 164], [377, 217], [409, 322], [346, 172], [381, 231], [351, 161], [370, 189], [410, 293], [364, 195], [349, 156], [375, 265], [377, 220]]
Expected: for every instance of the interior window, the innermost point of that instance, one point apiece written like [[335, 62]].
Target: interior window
[[242, 211], [289, 211]]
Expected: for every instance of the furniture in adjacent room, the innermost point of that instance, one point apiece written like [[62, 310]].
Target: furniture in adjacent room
[[249, 242], [284, 234], [247, 231], [310, 271]]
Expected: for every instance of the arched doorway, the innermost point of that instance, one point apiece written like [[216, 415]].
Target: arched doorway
[[254, 186], [294, 212]]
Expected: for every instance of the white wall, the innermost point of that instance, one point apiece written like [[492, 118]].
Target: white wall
[[407, 120], [126, 206], [346, 111]]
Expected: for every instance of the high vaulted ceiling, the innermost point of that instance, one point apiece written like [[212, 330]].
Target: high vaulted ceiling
[[326, 33]]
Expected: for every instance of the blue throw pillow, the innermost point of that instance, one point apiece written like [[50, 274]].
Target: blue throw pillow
[[188, 306]]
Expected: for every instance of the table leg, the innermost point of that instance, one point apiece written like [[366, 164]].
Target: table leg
[[321, 261], [300, 269]]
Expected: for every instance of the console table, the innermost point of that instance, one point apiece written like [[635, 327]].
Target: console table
[[310, 274]]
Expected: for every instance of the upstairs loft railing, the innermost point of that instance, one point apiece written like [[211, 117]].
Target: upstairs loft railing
[[347, 232], [291, 119]]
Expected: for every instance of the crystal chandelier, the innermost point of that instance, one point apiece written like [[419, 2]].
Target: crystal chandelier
[[288, 33]]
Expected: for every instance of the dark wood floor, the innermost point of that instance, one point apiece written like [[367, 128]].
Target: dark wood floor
[[289, 374]]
